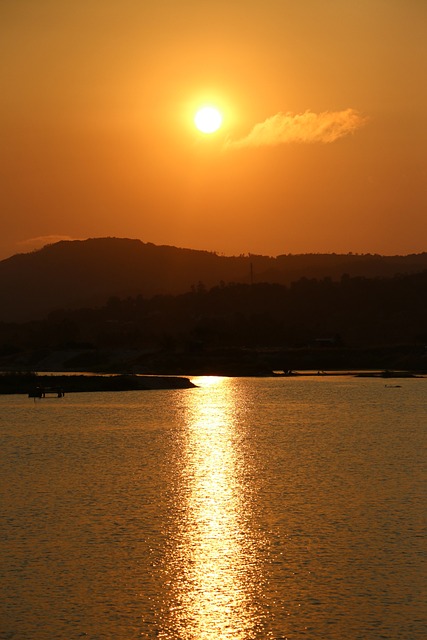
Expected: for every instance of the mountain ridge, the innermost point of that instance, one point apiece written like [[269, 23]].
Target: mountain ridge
[[86, 273]]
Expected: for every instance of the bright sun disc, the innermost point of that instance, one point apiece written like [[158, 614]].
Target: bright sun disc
[[208, 120]]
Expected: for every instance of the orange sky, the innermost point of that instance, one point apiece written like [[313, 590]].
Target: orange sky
[[323, 146]]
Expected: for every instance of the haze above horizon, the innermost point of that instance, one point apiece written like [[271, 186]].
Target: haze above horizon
[[321, 148]]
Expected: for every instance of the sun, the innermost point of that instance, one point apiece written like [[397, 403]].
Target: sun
[[208, 119]]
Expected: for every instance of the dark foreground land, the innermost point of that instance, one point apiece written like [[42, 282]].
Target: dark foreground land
[[40, 385], [120, 369], [350, 324]]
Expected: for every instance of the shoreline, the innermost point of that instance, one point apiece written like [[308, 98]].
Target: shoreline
[[40, 384], [37, 385]]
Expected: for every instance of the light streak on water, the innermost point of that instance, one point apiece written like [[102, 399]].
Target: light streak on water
[[217, 572]]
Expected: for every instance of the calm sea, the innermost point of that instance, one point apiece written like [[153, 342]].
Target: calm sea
[[244, 509]]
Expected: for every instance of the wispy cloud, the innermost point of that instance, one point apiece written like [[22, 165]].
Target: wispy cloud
[[37, 243], [307, 127]]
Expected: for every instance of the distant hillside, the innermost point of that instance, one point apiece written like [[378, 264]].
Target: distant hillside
[[85, 273]]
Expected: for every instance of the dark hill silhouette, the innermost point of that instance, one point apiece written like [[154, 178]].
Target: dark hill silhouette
[[86, 273]]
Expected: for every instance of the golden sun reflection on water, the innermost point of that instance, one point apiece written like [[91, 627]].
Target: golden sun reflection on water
[[215, 585]]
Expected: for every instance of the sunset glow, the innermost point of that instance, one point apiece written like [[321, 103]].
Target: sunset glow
[[265, 128], [213, 319]]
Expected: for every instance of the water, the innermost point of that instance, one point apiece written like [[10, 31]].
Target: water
[[244, 509]]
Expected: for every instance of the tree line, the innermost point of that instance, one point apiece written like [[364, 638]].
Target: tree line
[[354, 311]]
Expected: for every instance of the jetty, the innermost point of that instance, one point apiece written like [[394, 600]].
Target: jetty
[[57, 385]]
